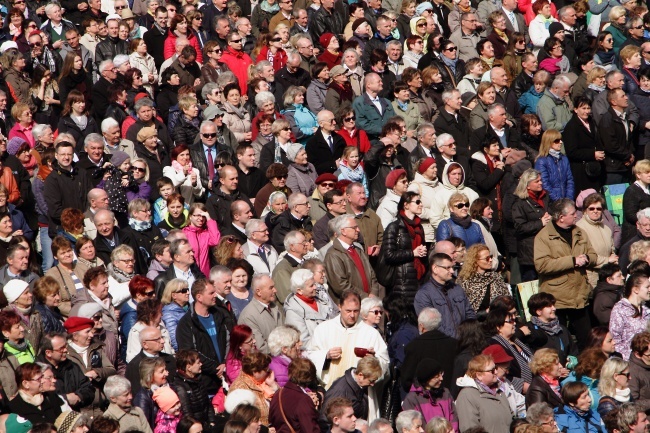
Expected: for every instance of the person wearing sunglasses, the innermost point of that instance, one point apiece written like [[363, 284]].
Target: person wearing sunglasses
[[480, 282], [553, 165], [460, 223], [175, 300], [213, 67]]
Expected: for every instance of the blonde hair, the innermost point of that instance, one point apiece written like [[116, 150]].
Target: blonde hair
[[627, 52], [549, 136], [146, 167], [438, 425], [471, 261], [616, 13], [478, 364], [172, 287], [457, 197], [526, 177], [638, 250], [543, 360], [596, 72], [607, 382], [641, 166]]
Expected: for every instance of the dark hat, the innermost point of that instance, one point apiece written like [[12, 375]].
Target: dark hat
[[393, 176], [74, 324], [554, 28], [119, 157], [467, 98], [357, 23], [520, 166], [325, 177], [426, 369], [498, 354]]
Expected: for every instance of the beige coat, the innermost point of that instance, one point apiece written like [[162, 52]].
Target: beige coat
[[261, 321], [66, 285], [600, 237], [237, 125], [134, 420]]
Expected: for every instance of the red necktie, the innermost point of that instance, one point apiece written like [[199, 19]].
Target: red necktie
[[210, 165]]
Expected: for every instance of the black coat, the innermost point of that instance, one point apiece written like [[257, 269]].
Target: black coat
[[133, 368], [64, 189], [561, 342], [486, 185], [634, 199], [163, 136], [100, 98], [252, 182], [320, 154], [416, 155], [219, 206], [431, 344], [194, 399], [201, 163], [117, 112], [143, 241], [66, 124], [457, 127], [642, 102], [399, 254], [167, 98], [104, 249], [618, 148], [605, 296], [109, 48], [509, 100], [184, 131], [155, 165], [580, 145], [521, 84], [165, 277], [284, 223], [527, 216], [143, 399], [325, 21], [49, 411], [540, 392], [191, 334], [449, 78], [347, 387], [70, 378], [267, 156], [94, 173]]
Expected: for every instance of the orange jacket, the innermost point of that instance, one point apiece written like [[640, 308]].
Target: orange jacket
[[9, 181]]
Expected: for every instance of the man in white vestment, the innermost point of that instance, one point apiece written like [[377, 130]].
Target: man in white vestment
[[332, 347]]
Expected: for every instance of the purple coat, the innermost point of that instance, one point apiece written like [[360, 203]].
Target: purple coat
[[623, 326], [443, 407], [280, 366], [143, 192]]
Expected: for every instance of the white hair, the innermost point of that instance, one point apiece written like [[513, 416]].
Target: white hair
[[442, 139], [109, 123], [369, 303], [429, 318], [282, 337], [299, 278]]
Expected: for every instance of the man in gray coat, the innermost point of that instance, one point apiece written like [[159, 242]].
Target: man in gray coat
[[262, 313]]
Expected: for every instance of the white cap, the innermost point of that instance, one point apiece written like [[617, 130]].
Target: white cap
[[8, 45], [13, 289]]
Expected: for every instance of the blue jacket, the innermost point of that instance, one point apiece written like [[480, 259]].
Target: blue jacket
[[592, 384], [18, 222], [302, 122], [171, 314], [529, 99], [556, 176], [128, 317], [450, 300], [568, 421], [448, 228]]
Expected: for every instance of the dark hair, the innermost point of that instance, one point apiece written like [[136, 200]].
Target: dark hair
[[177, 150], [275, 170], [539, 301], [639, 266], [640, 342], [503, 301], [572, 391], [495, 319], [400, 311], [317, 69], [399, 86], [148, 309], [478, 206], [644, 72], [481, 44], [406, 198], [92, 274], [233, 264], [550, 43], [634, 280], [183, 426], [584, 59], [607, 271], [164, 181], [167, 73], [8, 318], [378, 55], [188, 52], [185, 357], [246, 413], [471, 337], [42, 427], [131, 75], [230, 87], [581, 100], [597, 337], [409, 73], [347, 294]]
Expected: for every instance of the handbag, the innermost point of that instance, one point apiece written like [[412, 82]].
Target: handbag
[[593, 168]]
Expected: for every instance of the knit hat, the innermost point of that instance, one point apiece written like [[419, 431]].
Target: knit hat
[[554, 28], [426, 369], [293, 150], [423, 7], [211, 112], [357, 23], [325, 177], [66, 421], [165, 398], [325, 40], [498, 354], [17, 424], [336, 71], [87, 310], [14, 144], [392, 177], [13, 289], [119, 157], [424, 165], [467, 97], [74, 324], [146, 132]]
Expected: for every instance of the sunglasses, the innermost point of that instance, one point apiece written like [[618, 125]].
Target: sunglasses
[[286, 129], [149, 293], [276, 40], [185, 290], [376, 312], [138, 169], [327, 184], [221, 164], [422, 25], [638, 27], [284, 176], [236, 41], [210, 135], [417, 202], [592, 208], [462, 205], [451, 49], [119, 8], [558, 141], [350, 119]]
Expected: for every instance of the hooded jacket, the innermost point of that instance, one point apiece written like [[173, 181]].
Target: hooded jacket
[[426, 189], [443, 191], [202, 239]]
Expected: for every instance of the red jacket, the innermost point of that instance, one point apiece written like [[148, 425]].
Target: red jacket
[[170, 45], [359, 140], [238, 62], [279, 60]]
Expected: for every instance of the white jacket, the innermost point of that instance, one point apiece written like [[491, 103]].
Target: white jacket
[[387, 209], [426, 189], [147, 66], [184, 183], [441, 195]]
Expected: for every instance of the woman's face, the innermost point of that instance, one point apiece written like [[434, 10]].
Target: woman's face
[[126, 165], [410, 9], [284, 34], [49, 381], [239, 278], [197, 219], [183, 158], [35, 385], [280, 204], [643, 288], [622, 379], [174, 80], [248, 346], [308, 289], [621, 20], [253, 427], [507, 330], [268, 108], [182, 296], [374, 316], [455, 176], [450, 51], [583, 112], [24, 156], [301, 158], [489, 374], [239, 252], [500, 24], [88, 251], [607, 43], [353, 159], [634, 62], [84, 337], [299, 98], [415, 205], [175, 209], [197, 428], [192, 111], [319, 274], [436, 381], [26, 117], [182, 27], [488, 50], [494, 150], [431, 172], [557, 144], [145, 113], [460, 209], [233, 97], [125, 263], [78, 63], [65, 256], [477, 69], [350, 60], [52, 299], [16, 333], [159, 376], [260, 376], [484, 260], [546, 11], [595, 211], [608, 344], [142, 48], [416, 82], [293, 351], [555, 370], [584, 401], [137, 81], [324, 74], [123, 32], [265, 128], [489, 96], [535, 185]]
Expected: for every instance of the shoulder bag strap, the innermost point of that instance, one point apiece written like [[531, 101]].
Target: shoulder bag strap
[[282, 411], [64, 283]]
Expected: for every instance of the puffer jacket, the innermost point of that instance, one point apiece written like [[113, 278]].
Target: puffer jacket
[[185, 130], [442, 192], [399, 254], [387, 209], [569, 421], [448, 228], [430, 407], [144, 400], [624, 326], [302, 122], [527, 216], [557, 178], [425, 188], [52, 319], [193, 398], [171, 314]]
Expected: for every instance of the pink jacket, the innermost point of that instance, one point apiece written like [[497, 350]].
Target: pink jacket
[[201, 240]]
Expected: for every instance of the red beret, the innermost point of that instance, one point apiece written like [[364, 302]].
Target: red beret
[[424, 165], [74, 324], [498, 354], [325, 40], [325, 177], [393, 176]]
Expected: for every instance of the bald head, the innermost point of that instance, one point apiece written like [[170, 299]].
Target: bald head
[[445, 247], [97, 199], [151, 340]]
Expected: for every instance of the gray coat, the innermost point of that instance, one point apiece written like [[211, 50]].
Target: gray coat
[[477, 407], [262, 321], [302, 178], [303, 317], [316, 96]]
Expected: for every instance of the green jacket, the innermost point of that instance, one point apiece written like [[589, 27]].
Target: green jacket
[[553, 112], [411, 116]]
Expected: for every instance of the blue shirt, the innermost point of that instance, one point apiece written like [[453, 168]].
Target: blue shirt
[[209, 325]]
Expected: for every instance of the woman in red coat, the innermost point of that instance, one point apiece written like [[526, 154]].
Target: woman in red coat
[[180, 27], [272, 51], [331, 54]]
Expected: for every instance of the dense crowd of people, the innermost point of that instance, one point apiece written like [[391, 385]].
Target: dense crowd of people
[[313, 216]]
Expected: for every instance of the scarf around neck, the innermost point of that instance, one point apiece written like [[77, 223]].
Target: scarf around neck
[[622, 395], [119, 275], [449, 62], [266, 7], [553, 327], [416, 232], [139, 226], [463, 222]]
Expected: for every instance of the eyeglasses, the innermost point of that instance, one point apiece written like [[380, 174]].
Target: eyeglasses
[[592, 208], [36, 379], [461, 205], [19, 2], [376, 312], [488, 258], [350, 119], [283, 176], [303, 204], [417, 202], [36, 44], [445, 267], [97, 317], [119, 8], [185, 290], [422, 25], [139, 169], [127, 260], [490, 370], [511, 320], [236, 41], [210, 135], [217, 50], [221, 164], [156, 339], [198, 18], [149, 294], [638, 27], [338, 203]]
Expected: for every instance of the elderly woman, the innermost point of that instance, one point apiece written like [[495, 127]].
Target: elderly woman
[[479, 402], [18, 81], [236, 118], [89, 355], [303, 122], [530, 215], [428, 396], [48, 299], [255, 376], [372, 311], [630, 314], [13, 331], [187, 126], [613, 385], [120, 272], [595, 83], [43, 140], [414, 51], [285, 346], [68, 273], [556, 62], [153, 375], [262, 131], [265, 105], [554, 168], [148, 148], [118, 392], [24, 123], [31, 402], [242, 343], [545, 386], [354, 71], [460, 223], [302, 173], [577, 414], [538, 29], [149, 314], [175, 300], [304, 308], [477, 278], [339, 92], [184, 176], [277, 174]]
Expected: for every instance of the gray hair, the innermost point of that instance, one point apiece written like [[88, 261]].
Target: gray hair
[[493, 108], [628, 416], [142, 102], [121, 251], [296, 13], [633, 21], [405, 420], [226, 78], [121, 59], [175, 247], [340, 222], [295, 198], [293, 55], [241, 21], [257, 280], [109, 123], [429, 318], [563, 11], [350, 50], [252, 225], [448, 94], [291, 238], [299, 278], [116, 385], [643, 214], [259, 66], [442, 139], [394, 42], [218, 271], [92, 138], [537, 413], [207, 89], [138, 204], [39, 129], [263, 97], [423, 128], [526, 177], [367, 304], [205, 124], [282, 337], [377, 424], [104, 64], [50, 7], [559, 207], [181, 42], [559, 81], [103, 212]]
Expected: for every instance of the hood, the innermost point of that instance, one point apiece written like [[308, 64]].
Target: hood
[[466, 382], [413, 24], [583, 195], [424, 181], [604, 286], [445, 179]]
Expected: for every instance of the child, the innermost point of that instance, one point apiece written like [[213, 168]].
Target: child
[[529, 99], [119, 180], [170, 410], [404, 108], [351, 169], [165, 189]]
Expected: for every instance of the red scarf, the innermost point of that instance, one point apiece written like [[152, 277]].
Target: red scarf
[[537, 198], [309, 301], [416, 232]]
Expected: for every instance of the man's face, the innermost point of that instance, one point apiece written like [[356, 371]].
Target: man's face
[[101, 201], [347, 422], [209, 135], [621, 101], [95, 151], [616, 82], [455, 102], [245, 27], [185, 255], [3, 102], [338, 205], [112, 135], [384, 28], [36, 42], [305, 47], [161, 19], [223, 28], [55, 14], [230, 179], [358, 198], [509, 4], [498, 118], [641, 425], [350, 310], [110, 72], [286, 5], [563, 90], [261, 235], [394, 52], [569, 17], [21, 5], [499, 77], [444, 271], [429, 138], [301, 209], [222, 284], [266, 291], [470, 23], [302, 18], [268, 74], [569, 219], [350, 233], [73, 39], [244, 214], [248, 158], [643, 225], [374, 84], [64, 156], [59, 351], [328, 123], [19, 261], [530, 64], [105, 225], [113, 28], [155, 343], [209, 296]]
